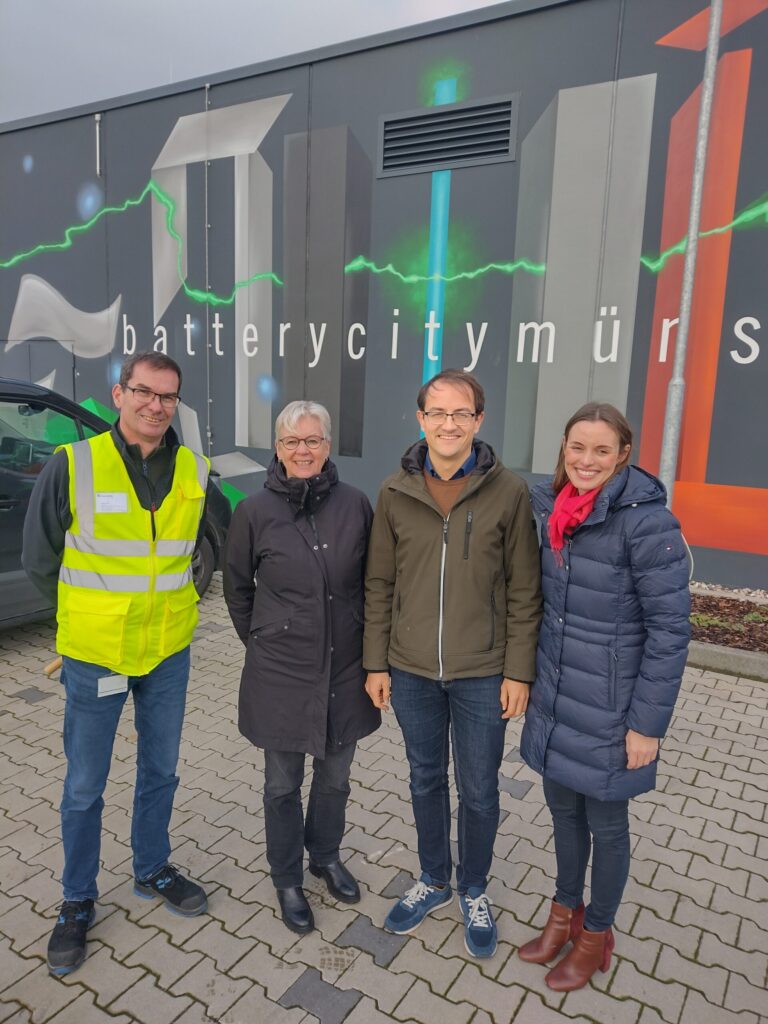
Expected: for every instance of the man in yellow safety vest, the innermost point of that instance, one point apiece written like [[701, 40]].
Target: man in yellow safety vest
[[112, 526]]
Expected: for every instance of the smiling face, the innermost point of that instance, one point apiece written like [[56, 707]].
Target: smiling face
[[592, 454], [449, 442], [145, 424], [303, 462]]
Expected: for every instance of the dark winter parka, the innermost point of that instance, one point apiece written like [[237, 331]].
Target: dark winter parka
[[293, 583], [613, 640]]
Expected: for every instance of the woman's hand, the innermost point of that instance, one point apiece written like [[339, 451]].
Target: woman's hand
[[641, 750], [377, 687], [513, 697]]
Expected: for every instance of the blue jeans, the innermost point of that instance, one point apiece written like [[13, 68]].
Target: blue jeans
[[90, 724], [582, 822], [287, 831], [467, 710]]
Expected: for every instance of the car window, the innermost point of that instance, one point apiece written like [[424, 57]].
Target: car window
[[29, 434]]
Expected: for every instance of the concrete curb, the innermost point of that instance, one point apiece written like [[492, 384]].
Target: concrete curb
[[731, 660]]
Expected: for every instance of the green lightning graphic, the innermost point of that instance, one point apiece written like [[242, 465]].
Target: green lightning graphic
[[751, 215], [755, 214], [361, 263], [151, 189]]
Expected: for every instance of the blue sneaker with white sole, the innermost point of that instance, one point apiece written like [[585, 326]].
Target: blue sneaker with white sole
[[420, 900], [479, 926], [180, 895]]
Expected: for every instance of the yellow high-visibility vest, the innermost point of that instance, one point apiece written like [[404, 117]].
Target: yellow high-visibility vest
[[126, 599]]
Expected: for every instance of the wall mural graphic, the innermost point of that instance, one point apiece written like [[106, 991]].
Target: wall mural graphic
[[259, 242]]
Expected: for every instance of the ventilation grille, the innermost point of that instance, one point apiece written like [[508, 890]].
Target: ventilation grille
[[449, 136]]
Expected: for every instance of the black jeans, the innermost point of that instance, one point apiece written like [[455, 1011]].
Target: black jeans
[[580, 822], [288, 833]]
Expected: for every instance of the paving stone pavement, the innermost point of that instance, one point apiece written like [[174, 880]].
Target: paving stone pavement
[[692, 933]]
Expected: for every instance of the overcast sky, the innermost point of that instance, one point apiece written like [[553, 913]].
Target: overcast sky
[[56, 54]]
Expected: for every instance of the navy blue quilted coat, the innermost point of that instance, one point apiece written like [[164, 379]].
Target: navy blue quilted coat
[[613, 640]]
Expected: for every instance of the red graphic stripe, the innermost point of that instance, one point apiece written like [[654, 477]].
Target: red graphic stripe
[[692, 34]]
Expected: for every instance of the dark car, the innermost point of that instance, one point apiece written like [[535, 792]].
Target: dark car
[[33, 422]]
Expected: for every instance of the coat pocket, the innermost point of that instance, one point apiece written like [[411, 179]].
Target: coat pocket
[[179, 620], [270, 629], [88, 618]]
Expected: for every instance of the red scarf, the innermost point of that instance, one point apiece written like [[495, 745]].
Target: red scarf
[[571, 509]]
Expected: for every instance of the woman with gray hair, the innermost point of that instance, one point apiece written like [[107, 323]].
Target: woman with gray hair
[[293, 582]]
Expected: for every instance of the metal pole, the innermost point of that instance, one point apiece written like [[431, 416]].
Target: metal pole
[[676, 391]]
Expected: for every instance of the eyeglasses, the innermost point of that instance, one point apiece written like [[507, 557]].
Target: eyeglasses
[[461, 417], [292, 443], [144, 396]]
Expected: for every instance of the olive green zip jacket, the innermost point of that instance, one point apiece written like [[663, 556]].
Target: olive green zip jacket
[[458, 597]]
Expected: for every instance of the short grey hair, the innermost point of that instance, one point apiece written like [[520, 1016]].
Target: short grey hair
[[288, 419]]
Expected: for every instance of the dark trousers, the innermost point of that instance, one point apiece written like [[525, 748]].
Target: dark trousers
[[582, 822], [288, 831], [468, 712]]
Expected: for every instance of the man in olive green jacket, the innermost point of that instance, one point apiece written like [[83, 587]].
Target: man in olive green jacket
[[453, 605]]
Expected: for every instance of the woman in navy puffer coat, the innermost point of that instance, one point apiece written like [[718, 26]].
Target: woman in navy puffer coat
[[611, 655]]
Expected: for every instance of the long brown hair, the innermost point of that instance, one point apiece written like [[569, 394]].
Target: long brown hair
[[593, 412]]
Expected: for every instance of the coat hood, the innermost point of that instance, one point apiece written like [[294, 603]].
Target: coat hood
[[413, 458]]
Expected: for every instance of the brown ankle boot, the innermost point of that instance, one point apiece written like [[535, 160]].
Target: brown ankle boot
[[563, 924], [590, 951]]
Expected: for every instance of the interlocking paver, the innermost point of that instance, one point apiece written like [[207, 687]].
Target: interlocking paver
[[105, 976], [216, 990], [421, 1004], [666, 997], [225, 949], [43, 995], [500, 1001], [753, 965], [309, 992], [163, 959], [741, 995], [144, 1001], [709, 980]]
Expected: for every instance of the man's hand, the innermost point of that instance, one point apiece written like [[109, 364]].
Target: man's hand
[[641, 750], [377, 687], [513, 697]]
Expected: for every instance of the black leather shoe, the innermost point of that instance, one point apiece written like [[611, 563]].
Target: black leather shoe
[[297, 913], [340, 882]]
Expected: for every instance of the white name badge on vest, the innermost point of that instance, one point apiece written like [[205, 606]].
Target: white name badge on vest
[[112, 684], [111, 501]]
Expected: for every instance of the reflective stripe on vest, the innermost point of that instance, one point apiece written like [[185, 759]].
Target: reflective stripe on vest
[[122, 583]]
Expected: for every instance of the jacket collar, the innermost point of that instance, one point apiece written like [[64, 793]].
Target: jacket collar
[[304, 495], [132, 452], [410, 478]]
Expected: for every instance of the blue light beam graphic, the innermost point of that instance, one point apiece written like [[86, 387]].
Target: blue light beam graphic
[[445, 92]]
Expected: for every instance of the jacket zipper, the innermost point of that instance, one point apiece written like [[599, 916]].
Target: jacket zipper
[[493, 620], [467, 532], [442, 598]]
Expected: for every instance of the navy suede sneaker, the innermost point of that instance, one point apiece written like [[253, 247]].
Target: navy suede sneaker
[[479, 926], [420, 900]]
